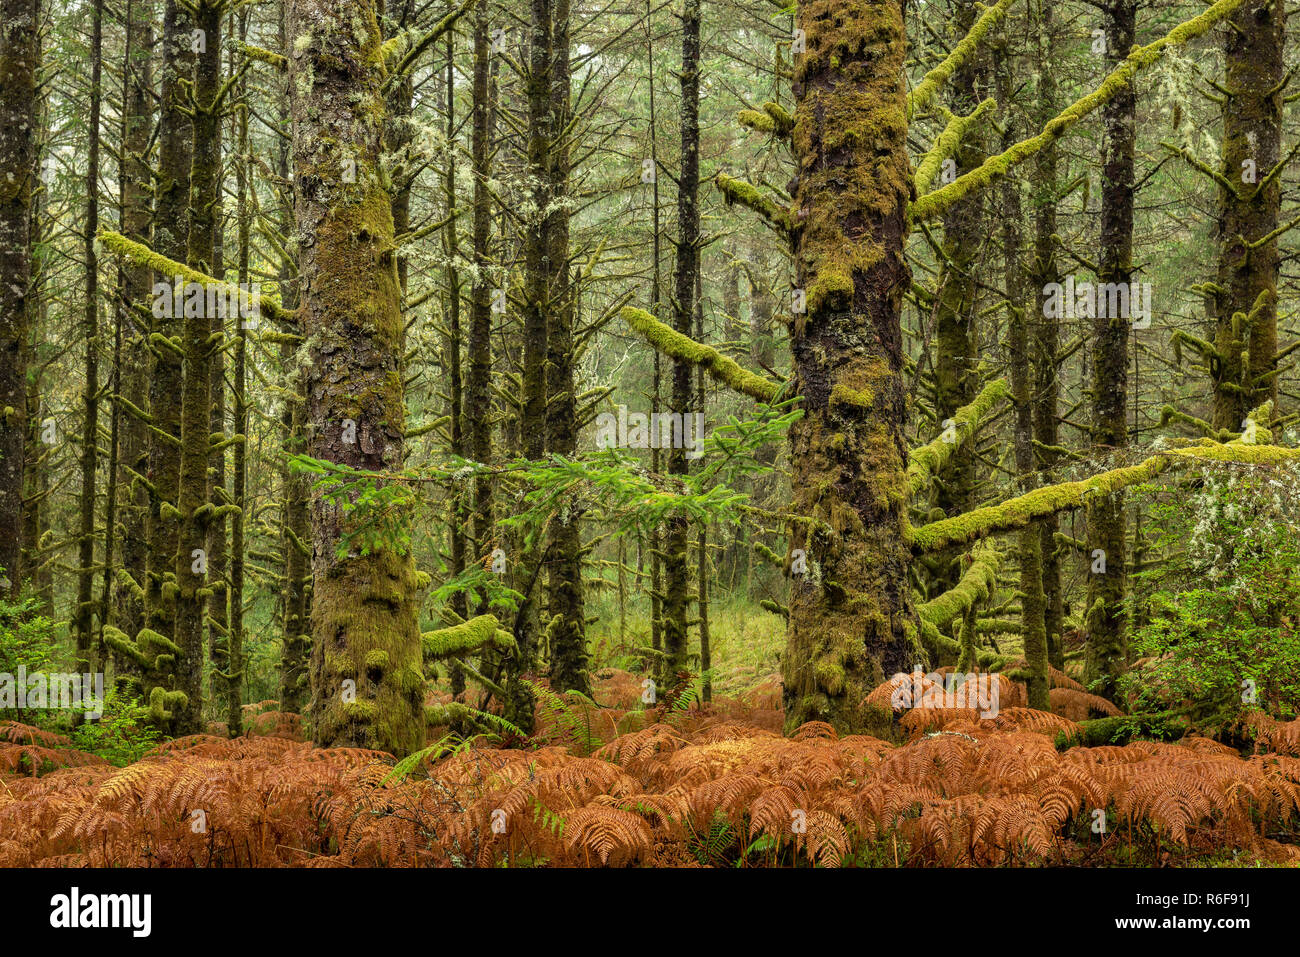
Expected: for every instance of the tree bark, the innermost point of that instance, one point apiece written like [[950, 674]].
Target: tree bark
[[366, 665], [852, 621], [19, 68]]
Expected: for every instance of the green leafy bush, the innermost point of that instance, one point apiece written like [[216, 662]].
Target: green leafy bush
[[1218, 634]]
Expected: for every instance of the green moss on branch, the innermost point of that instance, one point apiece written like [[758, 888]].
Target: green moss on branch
[[924, 463], [936, 203], [683, 348]]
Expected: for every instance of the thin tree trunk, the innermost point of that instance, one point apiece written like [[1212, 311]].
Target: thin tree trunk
[[1107, 525], [566, 631], [84, 612], [676, 601], [19, 69]]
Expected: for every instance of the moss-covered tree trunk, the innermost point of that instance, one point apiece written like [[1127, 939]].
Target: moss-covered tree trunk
[[295, 515], [956, 343], [223, 328], [19, 69], [1107, 525], [231, 664], [193, 574], [852, 622], [478, 386], [366, 664], [538, 305], [134, 283], [677, 577], [1019, 303], [171, 230], [1045, 335], [83, 618], [1244, 296]]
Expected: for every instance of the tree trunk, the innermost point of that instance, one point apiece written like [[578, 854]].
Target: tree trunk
[[1045, 335], [134, 284], [1028, 546], [852, 622], [19, 68], [1245, 298], [193, 576], [677, 598], [171, 230], [83, 621], [567, 629], [367, 677], [1107, 526]]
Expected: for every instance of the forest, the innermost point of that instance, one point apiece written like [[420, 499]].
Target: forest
[[649, 433]]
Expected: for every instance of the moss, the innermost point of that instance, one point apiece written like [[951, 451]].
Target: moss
[[756, 121], [683, 348], [735, 190], [468, 636], [936, 203], [1050, 499], [276, 60], [976, 585], [842, 394], [946, 146], [142, 255], [924, 463], [933, 81]]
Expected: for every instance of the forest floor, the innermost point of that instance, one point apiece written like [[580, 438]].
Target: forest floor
[[674, 784]]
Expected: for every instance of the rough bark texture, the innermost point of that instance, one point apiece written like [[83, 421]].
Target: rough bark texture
[[676, 594], [295, 517], [1045, 335], [1028, 546], [193, 576], [851, 617], [19, 65], [171, 227], [83, 618], [537, 317], [135, 284], [1245, 294], [956, 377], [1107, 527], [366, 666], [478, 386], [566, 631]]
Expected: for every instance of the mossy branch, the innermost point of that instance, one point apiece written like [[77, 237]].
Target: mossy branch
[[408, 46], [270, 58], [1050, 499], [995, 167], [932, 82], [946, 146], [773, 118], [685, 349], [925, 462], [465, 637], [736, 190], [976, 585], [143, 256]]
